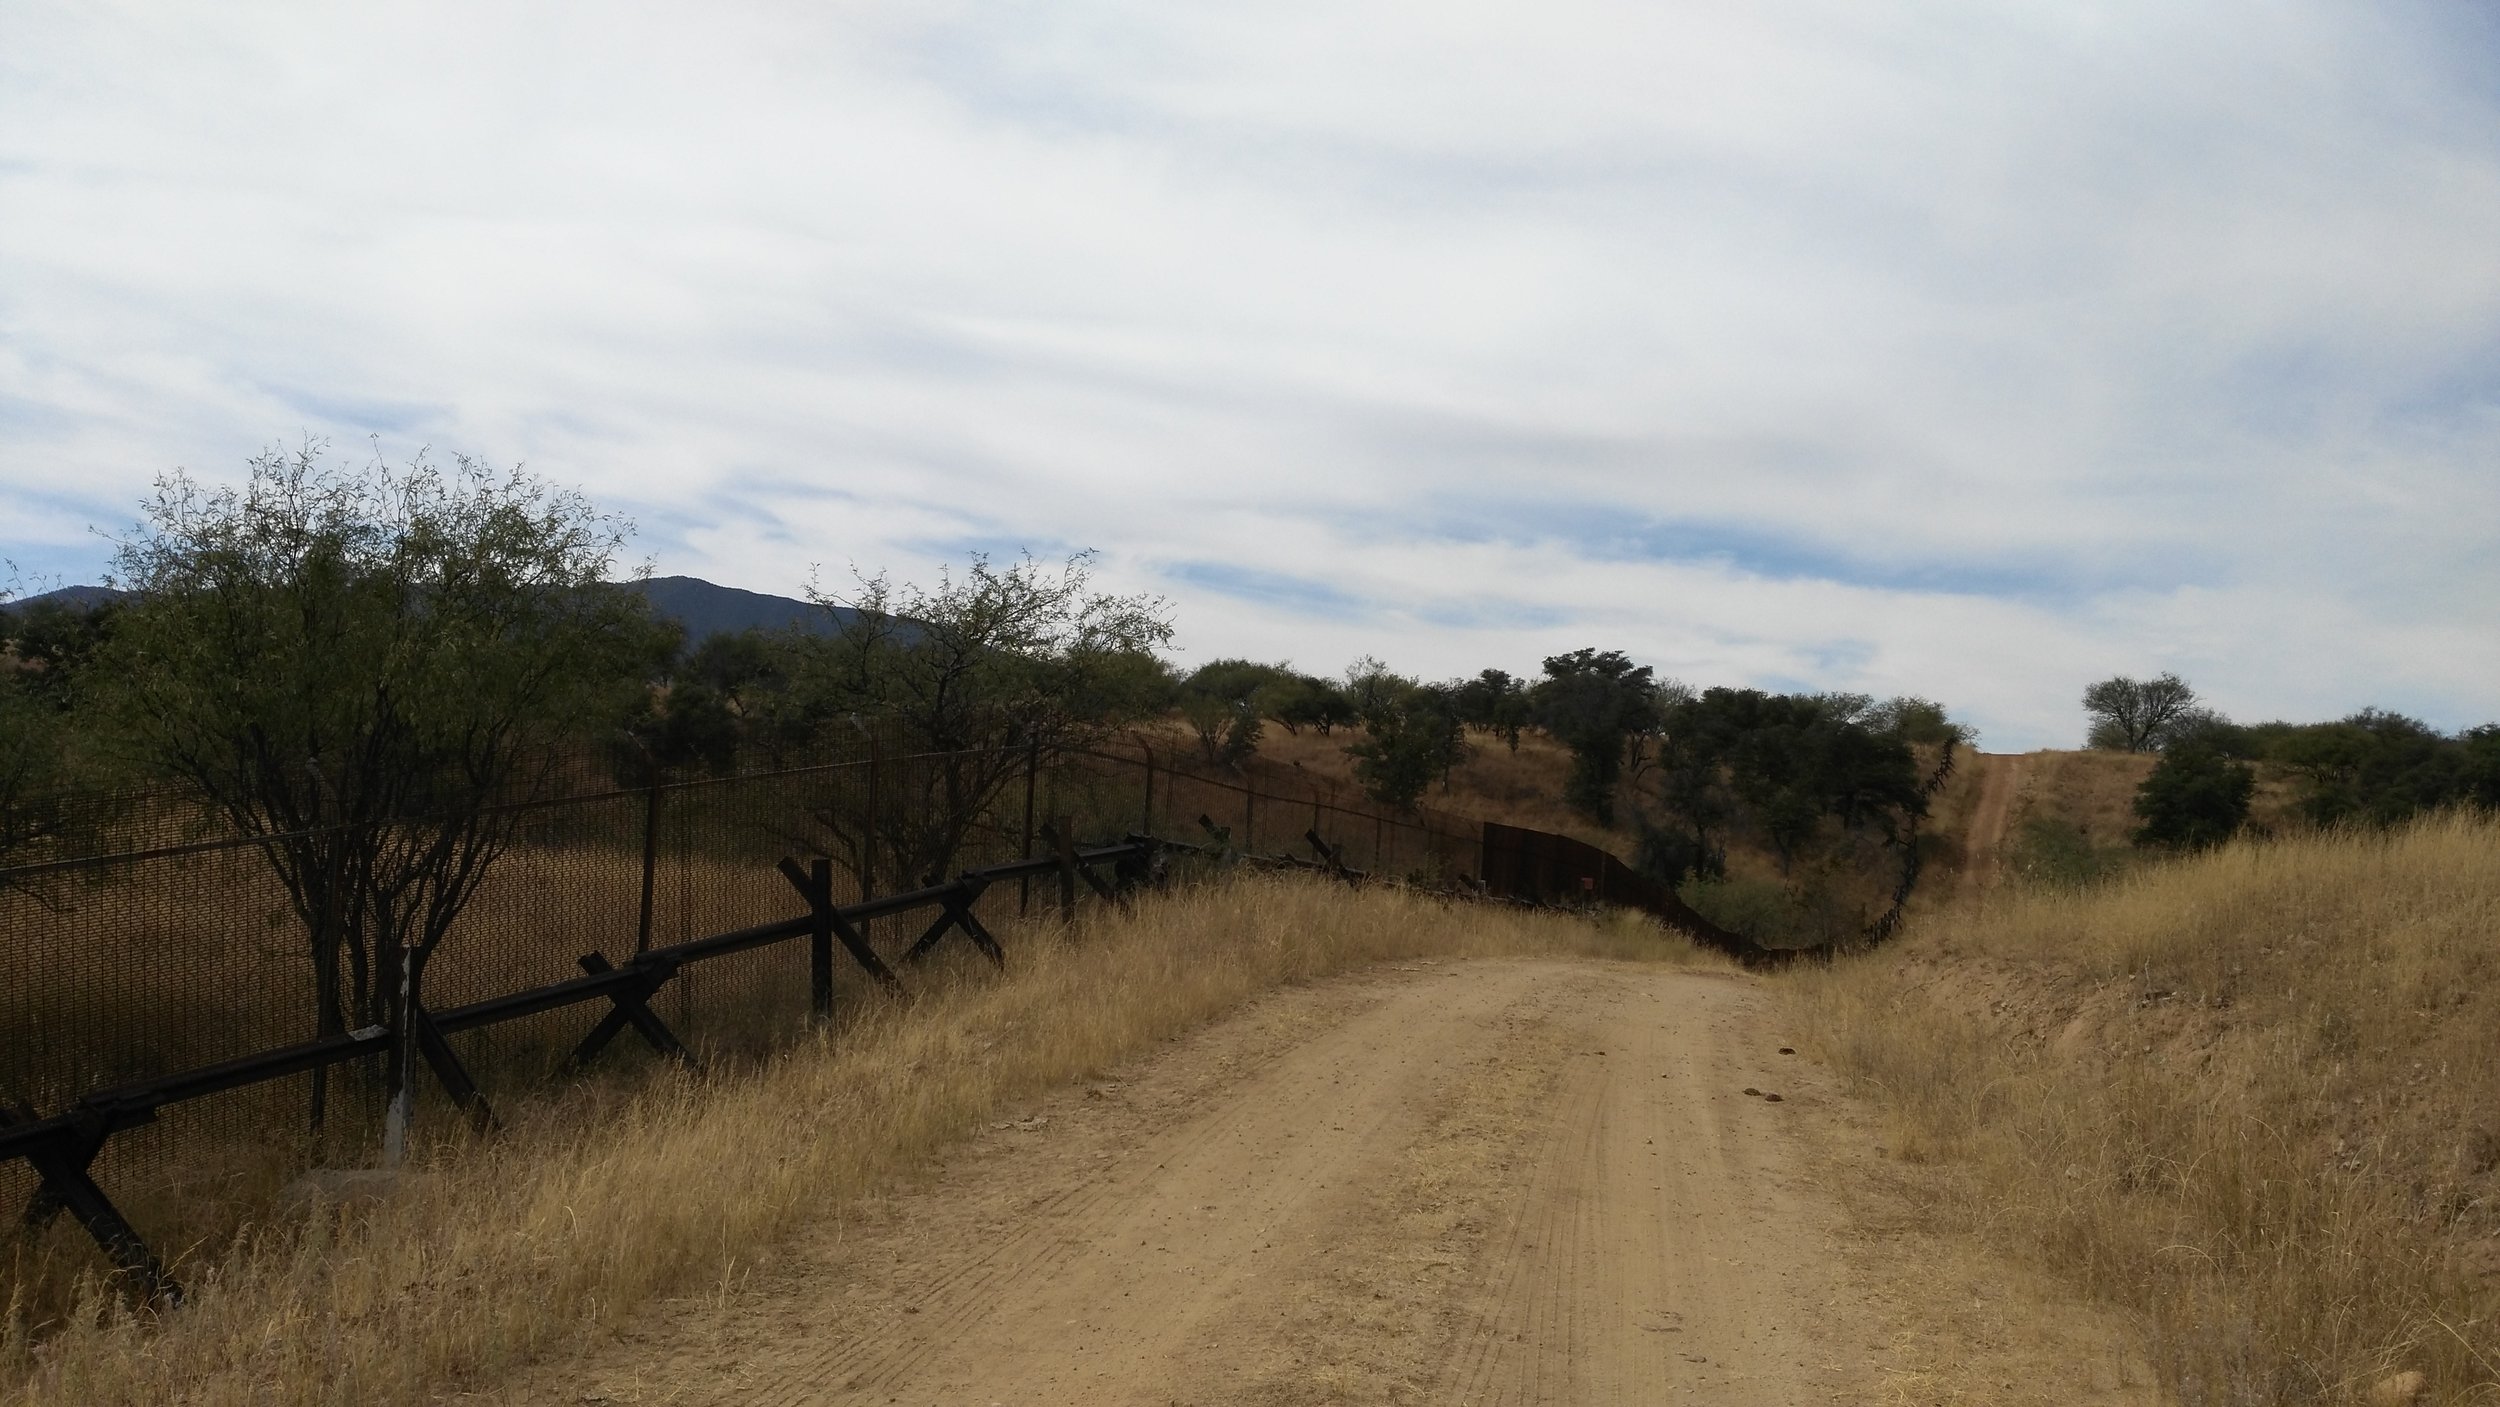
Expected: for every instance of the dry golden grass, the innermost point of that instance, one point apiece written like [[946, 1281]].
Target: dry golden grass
[[2092, 791], [2250, 1096], [1494, 784], [582, 1212]]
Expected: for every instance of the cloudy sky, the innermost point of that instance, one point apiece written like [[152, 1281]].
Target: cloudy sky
[[1967, 349]]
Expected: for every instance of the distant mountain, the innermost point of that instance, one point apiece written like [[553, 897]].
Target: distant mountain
[[78, 598], [706, 610], [703, 609]]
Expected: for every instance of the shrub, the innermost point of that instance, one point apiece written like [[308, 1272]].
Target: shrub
[[2194, 799]]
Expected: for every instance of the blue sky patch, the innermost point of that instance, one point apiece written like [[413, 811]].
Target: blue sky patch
[[1267, 588], [1604, 533]]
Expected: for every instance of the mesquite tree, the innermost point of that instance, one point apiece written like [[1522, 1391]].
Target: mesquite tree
[[1412, 734], [1598, 704], [1226, 704], [2137, 715], [362, 665], [1791, 770], [962, 686], [32, 747]]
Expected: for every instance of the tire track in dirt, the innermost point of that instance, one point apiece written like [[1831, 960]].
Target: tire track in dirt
[[1048, 1317], [1656, 1248], [1488, 1183]]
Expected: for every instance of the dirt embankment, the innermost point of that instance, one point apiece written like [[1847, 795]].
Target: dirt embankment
[[1491, 1182], [1991, 817]]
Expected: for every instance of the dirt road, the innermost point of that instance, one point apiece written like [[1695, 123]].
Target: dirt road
[[1484, 1183], [2000, 778]]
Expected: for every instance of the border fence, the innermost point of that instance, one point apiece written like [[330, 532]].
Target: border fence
[[159, 1000]]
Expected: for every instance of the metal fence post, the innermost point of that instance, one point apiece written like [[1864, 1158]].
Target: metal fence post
[[1063, 838], [326, 996], [1032, 772], [820, 942], [650, 863], [870, 820], [868, 827], [403, 1066]]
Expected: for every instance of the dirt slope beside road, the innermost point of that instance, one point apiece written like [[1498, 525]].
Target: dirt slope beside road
[[1983, 845], [1489, 1183]]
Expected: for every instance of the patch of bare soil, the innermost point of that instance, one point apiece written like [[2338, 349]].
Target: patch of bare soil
[[1480, 1183], [2000, 780]]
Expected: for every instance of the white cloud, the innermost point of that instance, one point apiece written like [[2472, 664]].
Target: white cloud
[[1963, 350]]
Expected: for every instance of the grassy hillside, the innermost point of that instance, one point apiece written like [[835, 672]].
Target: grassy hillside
[[1518, 789], [2249, 1096], [2057, 817]]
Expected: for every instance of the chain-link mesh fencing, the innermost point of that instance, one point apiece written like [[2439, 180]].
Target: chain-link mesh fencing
[[171, 947]]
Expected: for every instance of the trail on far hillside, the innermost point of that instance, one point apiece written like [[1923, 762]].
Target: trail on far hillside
[[1466, 1183], [1983, 844]]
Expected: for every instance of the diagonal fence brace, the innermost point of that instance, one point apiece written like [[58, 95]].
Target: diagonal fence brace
[[62, 1162], [630, 1005], [1328, 856], [1074, 862], [1223, 835], [817, 890], [1095, 882], [75, 1150], [451, 1074], [956, 912]]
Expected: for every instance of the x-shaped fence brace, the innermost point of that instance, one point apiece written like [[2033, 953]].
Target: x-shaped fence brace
[[956, 912], [1070, 867], [1331, 861], [62, 1148]]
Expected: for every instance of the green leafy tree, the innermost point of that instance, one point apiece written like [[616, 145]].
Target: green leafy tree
[[1598, 704], [1691, 783], [32, 746], [59, 792], [737, 666], [1497, 702], [2478, 773], [53, 641], [1305, 701], [2194, 799], [1373, 690], [1413, 738], [31, 769], [1778, 767], [2137, 715], [975, 674], [2210, 730], [1917, 720], [2375, 768], [684, 728], [361, 665], [1226, 702], [728, 698], [1673, 855]]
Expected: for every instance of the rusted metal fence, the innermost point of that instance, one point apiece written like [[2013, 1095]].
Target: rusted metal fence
[[1543, 868]]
